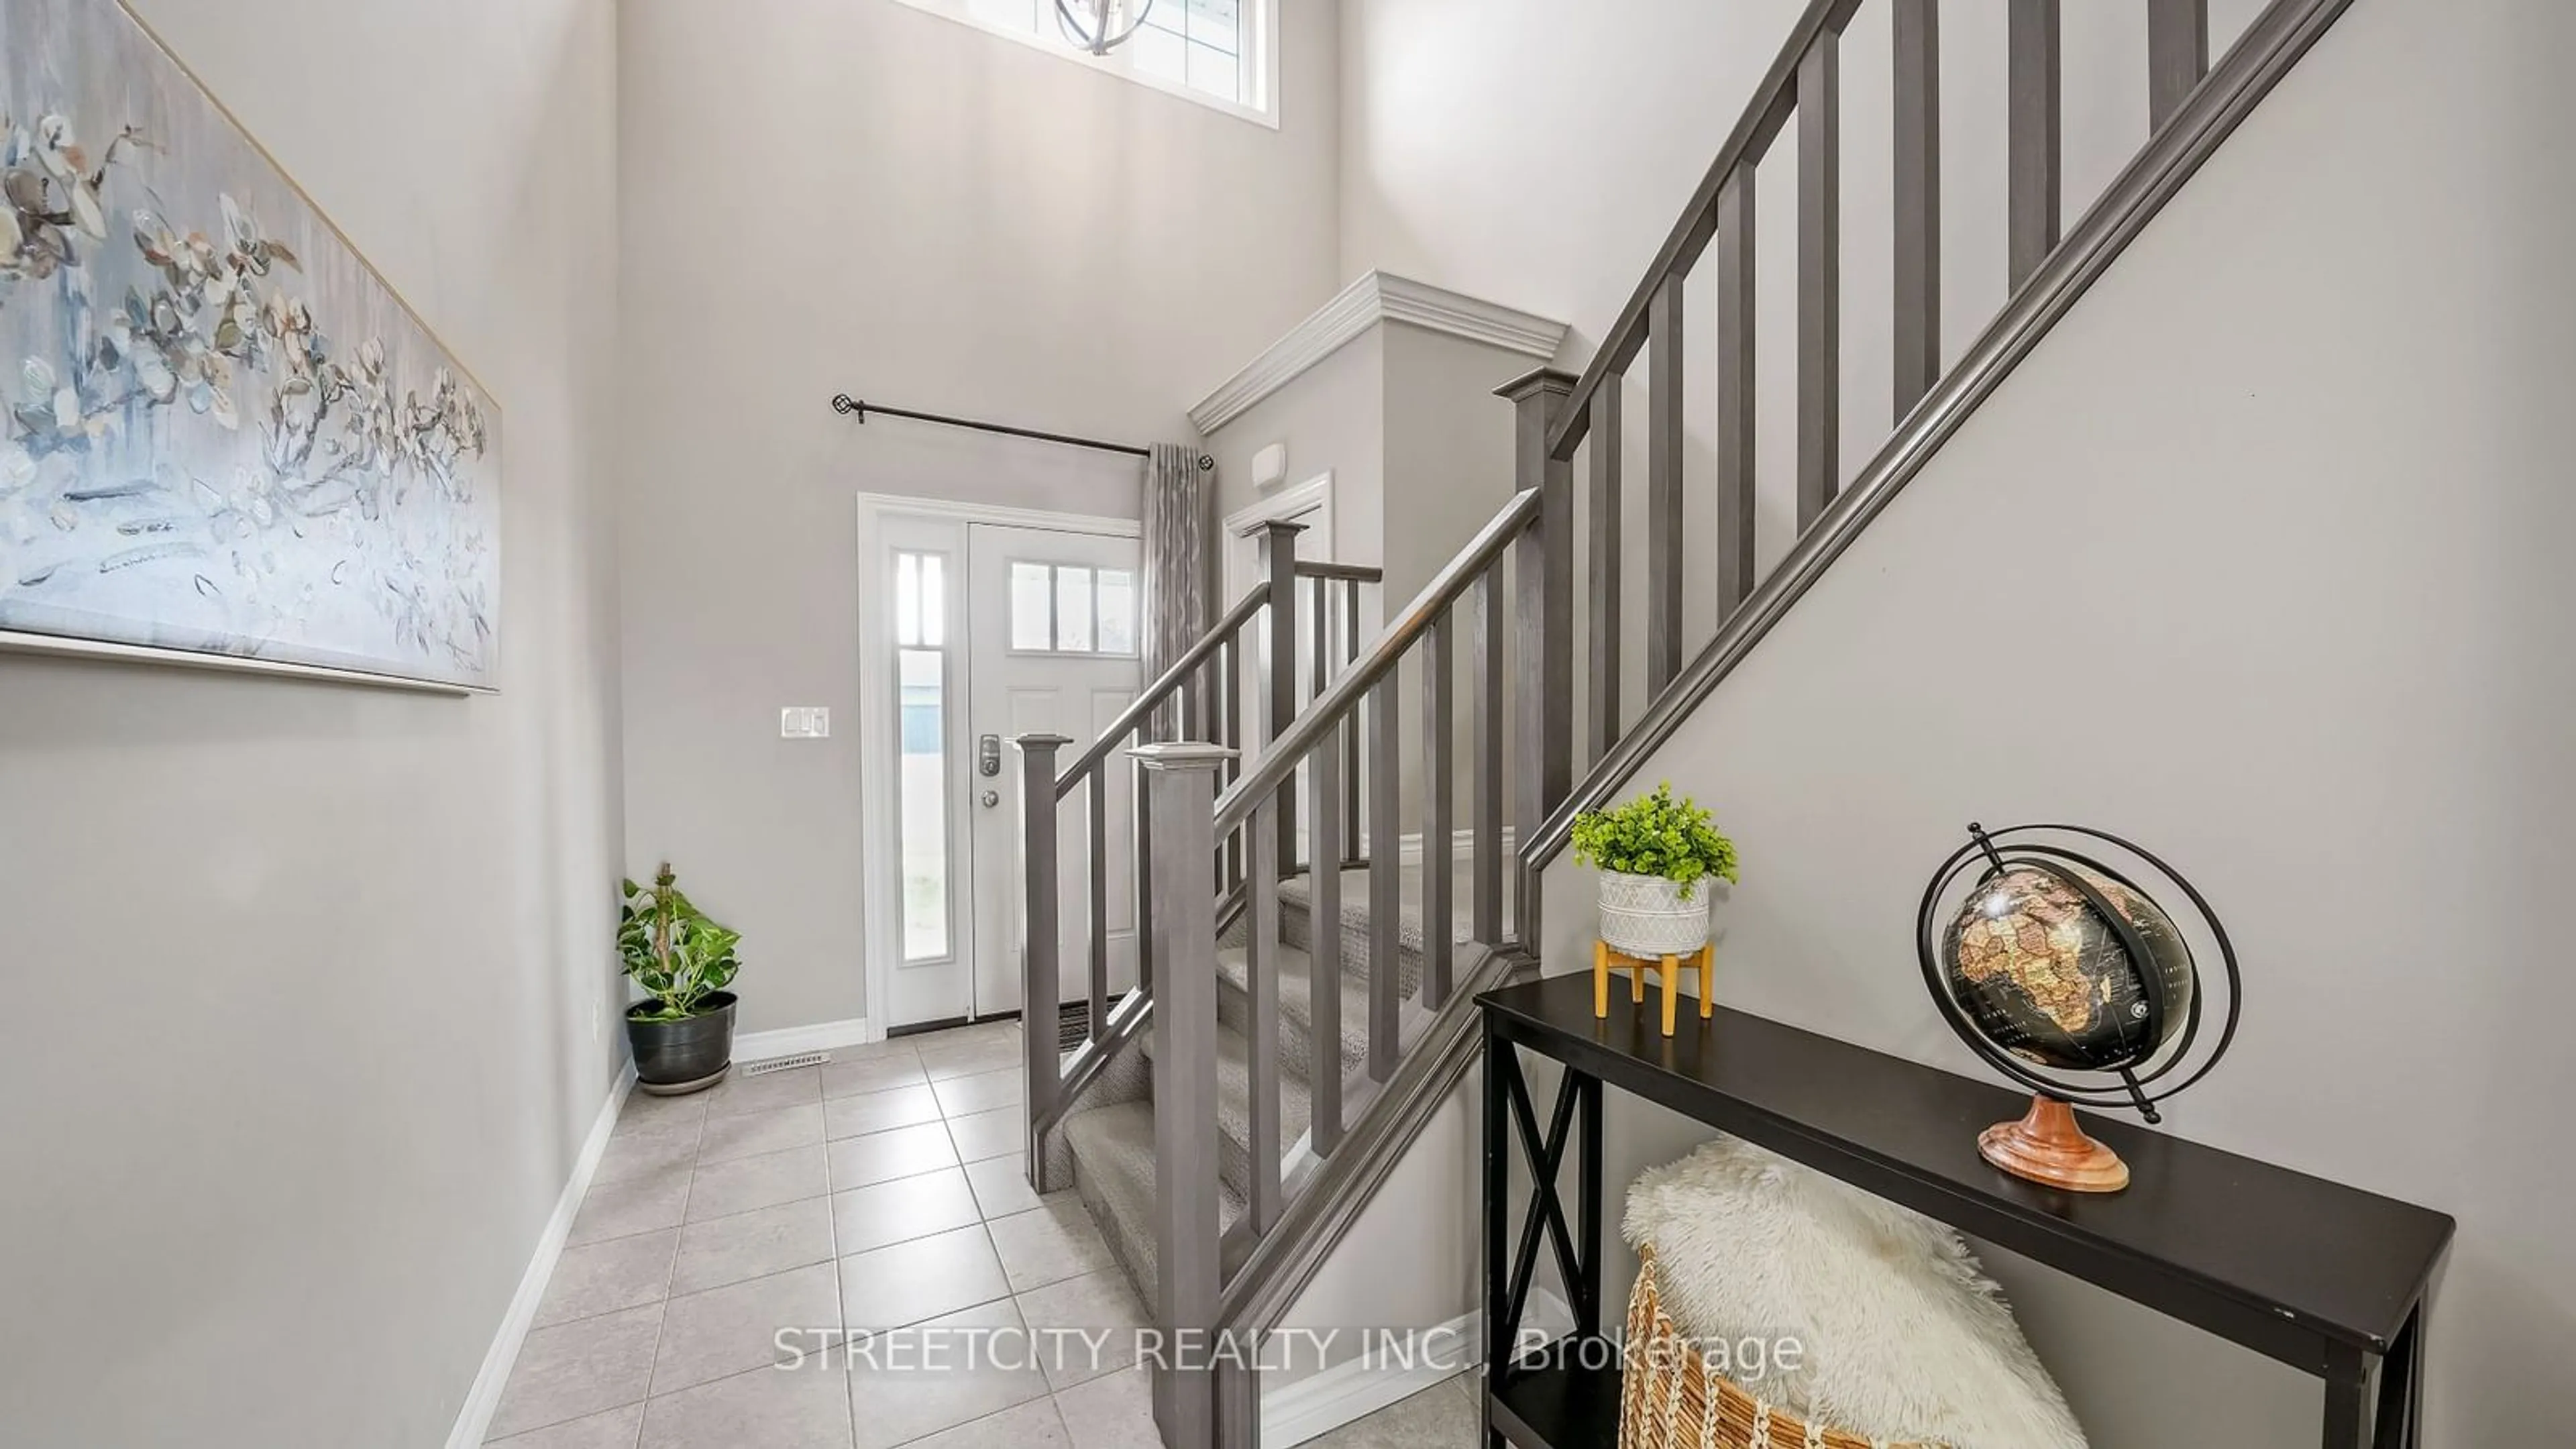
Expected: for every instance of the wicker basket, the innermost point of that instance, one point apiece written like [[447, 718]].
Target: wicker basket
[[1671, 1399]]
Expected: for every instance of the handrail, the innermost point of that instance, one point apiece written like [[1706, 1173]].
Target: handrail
[[1774, 101], [2269, 48], [1280, 758], [1163, 688], [1308, 568]]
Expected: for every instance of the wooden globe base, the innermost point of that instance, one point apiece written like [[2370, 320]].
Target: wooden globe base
[[2049, 1147]]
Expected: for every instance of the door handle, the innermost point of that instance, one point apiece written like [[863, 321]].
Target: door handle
[[991, 798]]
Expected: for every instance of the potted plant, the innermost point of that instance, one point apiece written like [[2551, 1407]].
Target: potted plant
[[1653, 853], [682, 1031]]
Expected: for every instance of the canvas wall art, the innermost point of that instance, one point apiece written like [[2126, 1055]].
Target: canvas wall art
[[220, 431]]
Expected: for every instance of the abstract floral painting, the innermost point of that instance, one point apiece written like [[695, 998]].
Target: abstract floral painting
[[220, 431]]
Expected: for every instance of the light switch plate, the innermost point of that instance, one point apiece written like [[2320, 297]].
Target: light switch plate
[[805, 722]]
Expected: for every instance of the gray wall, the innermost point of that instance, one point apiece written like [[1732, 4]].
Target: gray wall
[[1333, 419], [1420, 450], [2294, 473], [1406, 421], [1448, 448], [855, 195], [315, 995]]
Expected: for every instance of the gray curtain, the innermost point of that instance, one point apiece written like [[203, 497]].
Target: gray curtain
[[1180, 499]]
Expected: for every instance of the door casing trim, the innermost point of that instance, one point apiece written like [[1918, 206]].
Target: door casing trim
[[880, 889]]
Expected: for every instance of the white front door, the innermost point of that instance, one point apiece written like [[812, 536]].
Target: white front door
[[1052, 625]]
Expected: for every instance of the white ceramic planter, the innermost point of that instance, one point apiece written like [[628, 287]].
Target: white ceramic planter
[[1645, 915]]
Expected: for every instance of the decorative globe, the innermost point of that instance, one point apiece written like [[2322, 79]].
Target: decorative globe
[[2045, 959], [2054, 965]]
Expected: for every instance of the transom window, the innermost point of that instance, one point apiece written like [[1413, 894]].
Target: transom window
[[1216, 51], [1059, 608]]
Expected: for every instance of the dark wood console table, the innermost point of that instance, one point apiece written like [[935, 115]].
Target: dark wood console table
[[2328, 1279]]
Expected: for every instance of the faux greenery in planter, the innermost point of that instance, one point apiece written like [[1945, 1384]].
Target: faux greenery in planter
[[1653, 852], [682, 1032]]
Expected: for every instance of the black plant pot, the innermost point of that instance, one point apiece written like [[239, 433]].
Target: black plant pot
[[673, 1058]]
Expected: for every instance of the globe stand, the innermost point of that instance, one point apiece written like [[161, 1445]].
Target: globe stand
[[2048, 1146]]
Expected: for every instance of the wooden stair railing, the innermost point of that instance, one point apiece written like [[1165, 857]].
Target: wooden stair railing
[[1511, 580], [2192, 107], [1199, 696]]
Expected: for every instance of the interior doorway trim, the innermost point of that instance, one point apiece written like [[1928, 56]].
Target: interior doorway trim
[[1315, 495], [880, 851]]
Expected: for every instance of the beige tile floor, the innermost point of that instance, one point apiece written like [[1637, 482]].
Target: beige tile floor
[[881, 1190]]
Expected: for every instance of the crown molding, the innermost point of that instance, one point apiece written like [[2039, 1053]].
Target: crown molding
[[1376, 297]]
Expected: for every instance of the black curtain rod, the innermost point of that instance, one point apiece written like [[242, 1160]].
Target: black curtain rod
[[848, 405]]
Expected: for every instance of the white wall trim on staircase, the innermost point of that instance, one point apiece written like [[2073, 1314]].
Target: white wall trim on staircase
[[1352, 1390], [1376, 297], [822, 1036], [474, 1420]]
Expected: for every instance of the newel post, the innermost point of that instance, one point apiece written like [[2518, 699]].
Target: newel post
[[1180, 799], [1543, 609], [1279, 567], [1041, 968]]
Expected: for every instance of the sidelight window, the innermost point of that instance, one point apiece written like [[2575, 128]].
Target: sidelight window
[[921, 664]]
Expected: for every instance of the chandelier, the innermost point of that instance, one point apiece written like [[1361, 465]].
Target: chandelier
[[1100, 26]]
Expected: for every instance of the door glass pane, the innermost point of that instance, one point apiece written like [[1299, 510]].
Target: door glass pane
[[934, 601], [907, 598], [1032, 607], [1117, 611], [924, 804], [1073, 608]]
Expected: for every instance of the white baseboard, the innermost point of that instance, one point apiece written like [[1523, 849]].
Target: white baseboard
[[822, 1036], [1462, 846], [475, 1419], [1356, 1388]]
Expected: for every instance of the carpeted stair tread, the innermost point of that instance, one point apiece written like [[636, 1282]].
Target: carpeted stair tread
[[1296, 1006], [1113, 1156], [1234, 1105]]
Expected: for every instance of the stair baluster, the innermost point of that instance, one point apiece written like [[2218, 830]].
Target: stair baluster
[[2034, 147], [1261, 1032], [1279, 569], [1487, 808], [1385, 879], [2177, 55], [1438, 785], [1916, 74], [1324, 952], [1039, 1019], [1605, 563], [1735, 402], [1820, 279]]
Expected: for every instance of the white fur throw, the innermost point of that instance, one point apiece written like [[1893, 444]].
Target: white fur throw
[[1902, 1335]]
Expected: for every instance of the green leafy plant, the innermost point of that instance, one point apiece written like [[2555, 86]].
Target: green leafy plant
[[672, 950], [1656, 835]]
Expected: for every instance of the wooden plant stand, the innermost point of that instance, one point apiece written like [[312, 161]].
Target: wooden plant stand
[[1607, 958]]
